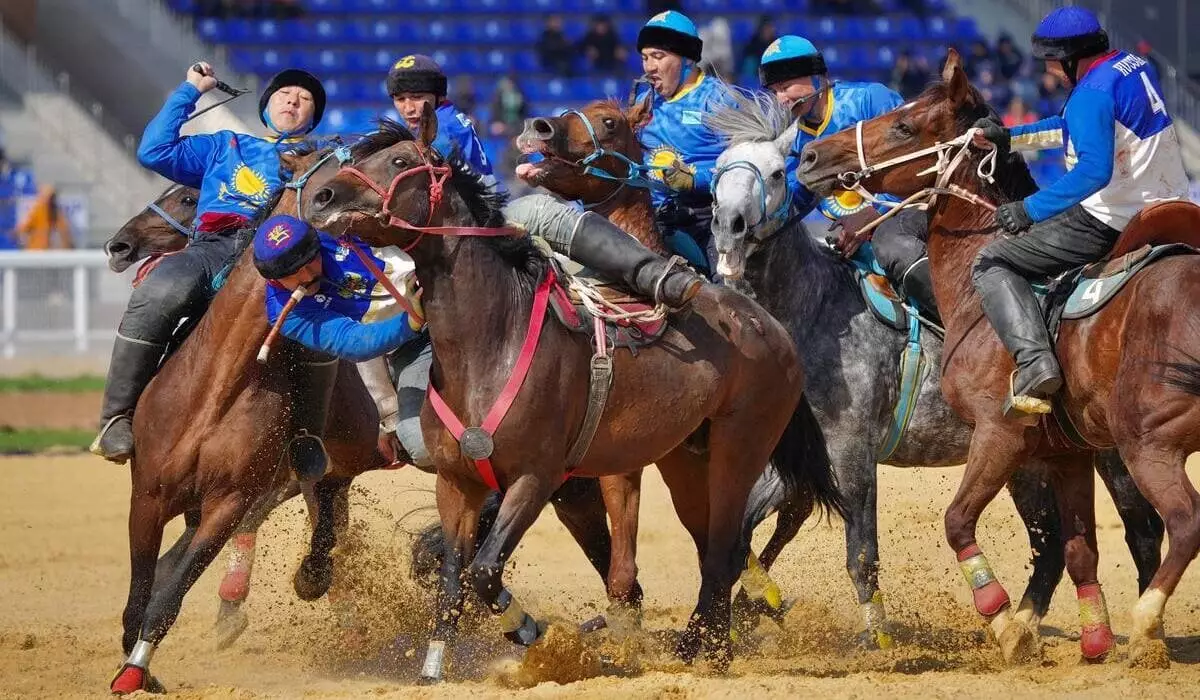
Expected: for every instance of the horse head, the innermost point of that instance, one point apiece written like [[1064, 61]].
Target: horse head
[[751, 199], [162, 227], [875, 156]]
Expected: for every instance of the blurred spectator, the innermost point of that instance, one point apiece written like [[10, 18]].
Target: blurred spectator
[[653, 7], [1008, 58], [1146, 51], [995, 92], [910, 74], [846, 7], [717, 57], [509, 108], [917, 7], [267, 9], [1051, 96], [752, 52], [1017, 115], [601, 46], [978, 57], [463, 95], [44, 221], [554, 49]]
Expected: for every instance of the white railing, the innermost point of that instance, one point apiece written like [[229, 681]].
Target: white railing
[[58, 302]]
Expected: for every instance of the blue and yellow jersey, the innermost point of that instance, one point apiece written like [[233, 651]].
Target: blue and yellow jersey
[[456, 132]]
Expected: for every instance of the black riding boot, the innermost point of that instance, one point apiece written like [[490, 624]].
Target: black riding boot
[[133, 364], [1013, 310], [918, 285], [603, 246], [312, 390]]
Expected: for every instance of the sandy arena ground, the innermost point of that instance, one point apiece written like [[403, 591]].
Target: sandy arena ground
[[64, 568]]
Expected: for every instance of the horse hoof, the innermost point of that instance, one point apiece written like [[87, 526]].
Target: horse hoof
[[131, 679], [719, 658], [229, 627], [428, 680], [313, 578], [1149, 654], [1095, 641], [688, 646], [875, 640], [1019, 644]]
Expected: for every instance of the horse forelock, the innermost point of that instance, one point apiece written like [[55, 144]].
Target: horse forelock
[[751, 117]]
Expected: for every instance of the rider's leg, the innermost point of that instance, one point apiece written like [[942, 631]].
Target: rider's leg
[[378, 380], [312, 390], [178, 287], [412, 362], [1001, 275], [594, 241], [900, 248]]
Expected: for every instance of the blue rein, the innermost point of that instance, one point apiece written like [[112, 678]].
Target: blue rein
[[342, 153], [779, 215], [637, 174], [174, 223]]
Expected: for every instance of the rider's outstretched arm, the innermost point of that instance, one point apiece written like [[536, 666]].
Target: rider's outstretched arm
[[182, 159], [1091, 121], [344, 337]]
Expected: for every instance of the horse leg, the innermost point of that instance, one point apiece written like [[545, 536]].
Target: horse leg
[[996, 450], [522, 503], [858, 481], [459, 503], [315, 573], [1160, 476], [759, 594], [1143, 526], [168, 561], [217, 522], [1075, 491], [146, 523], [622, 500], [239, 565], [685, 474], [1035, 502]]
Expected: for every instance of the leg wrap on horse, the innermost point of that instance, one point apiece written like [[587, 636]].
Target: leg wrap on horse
[[412, 363], [1096, 635], [312, 390], [518, 626], [235, 586], [596, 242], [990, 596]]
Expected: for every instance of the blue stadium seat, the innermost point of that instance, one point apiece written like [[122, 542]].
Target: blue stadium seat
[[23, 180], [627, 31], [525, 62], [489, 32], [882, 29], [184, 6], [741, 29], [324, 6], [370, 6], [438, 6], [488, 6], [225, 31], [272, 31], [525, 31], [544, 7], [439, 31], [448, 60]]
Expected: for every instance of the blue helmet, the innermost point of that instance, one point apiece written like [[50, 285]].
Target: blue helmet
[[671, 31], [1069, 34], [790, 57]]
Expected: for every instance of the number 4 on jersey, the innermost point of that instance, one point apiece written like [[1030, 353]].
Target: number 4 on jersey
[[1156, 102]]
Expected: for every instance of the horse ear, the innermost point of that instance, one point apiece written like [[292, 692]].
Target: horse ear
[[429, 125], [291, 162], [787, 139], [639, 113], [956, 78]]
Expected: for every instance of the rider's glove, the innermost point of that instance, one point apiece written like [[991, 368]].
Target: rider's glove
[[1012, 217]]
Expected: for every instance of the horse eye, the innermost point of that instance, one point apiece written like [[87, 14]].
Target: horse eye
[[777, 175], [189, 201], [609, 123], [398, 162], [903, 129]]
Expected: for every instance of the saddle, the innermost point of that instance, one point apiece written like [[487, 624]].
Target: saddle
[[571, 311]]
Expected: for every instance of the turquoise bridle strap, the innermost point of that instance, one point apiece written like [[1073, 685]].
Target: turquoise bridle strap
[[174, 223], [637, 174], [780, 214], [342, 153]]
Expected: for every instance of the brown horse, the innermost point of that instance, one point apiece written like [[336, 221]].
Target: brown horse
[[161, 228], [1131, 368], [725, 374], [178, 470], [588, 161]]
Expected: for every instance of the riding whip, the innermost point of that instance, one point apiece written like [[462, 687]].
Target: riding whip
[[264, 353], [224, 87]]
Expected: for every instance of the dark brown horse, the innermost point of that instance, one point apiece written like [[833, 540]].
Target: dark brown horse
[[161, 228], [1132, 368], [725, 374]]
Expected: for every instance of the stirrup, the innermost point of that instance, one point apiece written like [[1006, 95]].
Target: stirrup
[[95, 448], [304, 434], [1018, 406], [672, 262]]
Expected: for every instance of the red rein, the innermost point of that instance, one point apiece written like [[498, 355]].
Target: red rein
[[475, 443]]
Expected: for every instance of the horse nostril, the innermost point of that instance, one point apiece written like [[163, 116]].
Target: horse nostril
[[543, 129], [323, 197], [116, 248], [739, 224], [808, 159]]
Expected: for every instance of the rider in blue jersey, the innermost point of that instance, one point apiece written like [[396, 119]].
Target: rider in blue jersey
[[681, 149], [795, 71], [235, 174], [1122, 154], [417, 80]]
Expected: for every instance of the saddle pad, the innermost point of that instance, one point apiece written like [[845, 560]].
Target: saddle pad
[[1095, 285], [576, 318], [882, 300]]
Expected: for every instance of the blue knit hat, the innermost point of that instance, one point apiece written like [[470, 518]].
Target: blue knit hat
[[283, 244], [790, 57], [1068, 34], [671, 31]]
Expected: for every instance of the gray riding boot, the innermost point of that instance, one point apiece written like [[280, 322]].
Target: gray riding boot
[[312, 391], [132, 365], [1013, 310]]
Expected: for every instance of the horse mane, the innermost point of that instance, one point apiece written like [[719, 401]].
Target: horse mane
[[751, 117], [1013, 179]]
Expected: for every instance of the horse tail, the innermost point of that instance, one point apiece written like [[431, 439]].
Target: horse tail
[[429, 545], [1184, 376], [802, 462]]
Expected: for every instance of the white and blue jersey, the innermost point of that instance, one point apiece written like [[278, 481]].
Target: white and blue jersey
[[456, 133], [677, 136], [351, 315], [1122, 150], [847, 104]]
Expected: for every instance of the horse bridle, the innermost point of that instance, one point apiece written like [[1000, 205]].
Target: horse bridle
[[636, 175], [778, 215], [341, 153]]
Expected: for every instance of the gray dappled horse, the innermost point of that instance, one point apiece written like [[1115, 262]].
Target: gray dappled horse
[[852, 363]]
